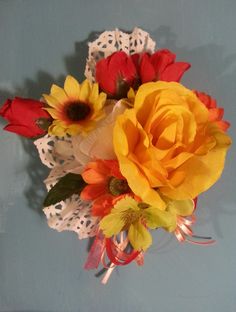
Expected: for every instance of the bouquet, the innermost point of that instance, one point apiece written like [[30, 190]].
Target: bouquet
[[129, 149]]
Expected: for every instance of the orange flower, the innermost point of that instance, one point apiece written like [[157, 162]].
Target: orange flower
[[215, 113], [105, 185]]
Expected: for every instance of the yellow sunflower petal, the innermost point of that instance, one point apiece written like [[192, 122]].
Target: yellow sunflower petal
[[72, 87], [61, 96], [51, 101], [139, 236], [73, 129], [57, 130], [85, 89], [55, 89], [100, 102], [53, 112], [93, 96]]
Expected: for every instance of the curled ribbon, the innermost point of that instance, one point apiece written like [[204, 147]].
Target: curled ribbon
[[115, 250], [183, 232]]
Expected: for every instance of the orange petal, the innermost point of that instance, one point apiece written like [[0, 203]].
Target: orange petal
[[93, 177], [102, 205], [223, 125], [216, 114], [91, 192]]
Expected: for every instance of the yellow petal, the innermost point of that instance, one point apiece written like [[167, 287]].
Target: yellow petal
[[139, 236], [55, 89], [61, 96], [54, 113], [99, 103], [111, 224], [72, 88], [56, 130], [52, 101], [93, 96], [156, 218], [139, 184], [84, 91], [200, 175], [181, 207], [125, 204], [73, 129], [131, 94]]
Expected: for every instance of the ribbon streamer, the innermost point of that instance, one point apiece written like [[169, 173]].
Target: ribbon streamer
[[183, 232]]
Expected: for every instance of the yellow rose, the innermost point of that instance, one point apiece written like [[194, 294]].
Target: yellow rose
[[167, 146]]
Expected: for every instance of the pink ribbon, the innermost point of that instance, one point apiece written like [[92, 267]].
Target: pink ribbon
[[183, 231], [113, 249], [95, 253]]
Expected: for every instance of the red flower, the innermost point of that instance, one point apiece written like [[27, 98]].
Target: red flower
[[215, 113], [24, 116], [116, 74], [105, 185], [159, 66]]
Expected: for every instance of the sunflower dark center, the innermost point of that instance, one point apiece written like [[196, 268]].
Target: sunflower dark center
[[77, 111]]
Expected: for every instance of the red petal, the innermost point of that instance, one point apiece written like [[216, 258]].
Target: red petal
[[147, 72], [136, 60], [102, 74], [118, 66], [21, 111], [160, 60], [174, 72], [206, 99], [4, 110], [24, 131]]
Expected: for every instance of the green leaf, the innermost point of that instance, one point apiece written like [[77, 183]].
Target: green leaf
[[68, 185]]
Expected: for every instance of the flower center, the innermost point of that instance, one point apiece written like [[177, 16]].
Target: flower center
[[130, 216], [77, 111], [118, 186]]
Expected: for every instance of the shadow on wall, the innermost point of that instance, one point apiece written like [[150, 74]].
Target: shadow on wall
[[212, 71]]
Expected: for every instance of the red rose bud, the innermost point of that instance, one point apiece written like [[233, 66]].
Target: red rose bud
[[160, 66], [116, 74], [23, 115], [215, 113]]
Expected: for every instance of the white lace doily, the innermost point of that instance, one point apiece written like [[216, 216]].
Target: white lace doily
[[58, 154], [73, 214], [111, 41]]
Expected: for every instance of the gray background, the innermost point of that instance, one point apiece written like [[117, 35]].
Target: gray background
[[41, 270]]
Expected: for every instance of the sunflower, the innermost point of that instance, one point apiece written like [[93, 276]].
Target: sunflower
[[75, 108]]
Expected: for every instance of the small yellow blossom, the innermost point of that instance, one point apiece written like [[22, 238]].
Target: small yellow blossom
[[136, 218], [75, 108]]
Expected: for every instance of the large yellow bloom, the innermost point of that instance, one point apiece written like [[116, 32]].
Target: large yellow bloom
[[76, 108], [167, 146]]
